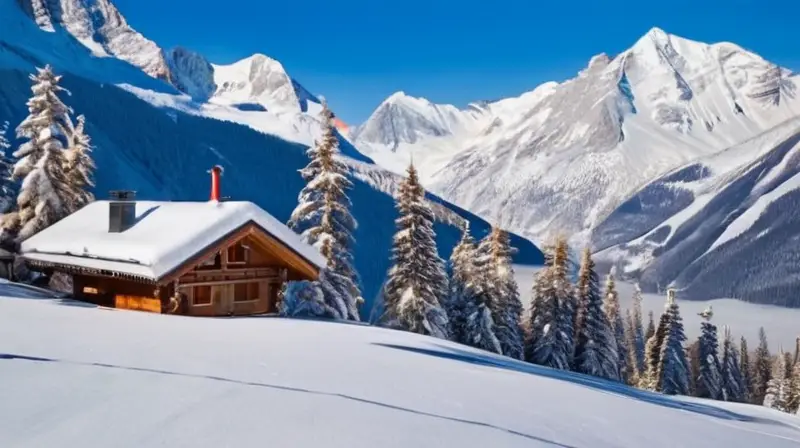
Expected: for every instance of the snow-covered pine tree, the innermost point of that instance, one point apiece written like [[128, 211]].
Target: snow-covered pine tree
[[614, 315], [762, 368], [796, 357], [463, 282], [732, 381], [673, 367], [633, 373], [551, 341], [651, 327], [323, 218], [595, 344], [45, 195], [650, 379], [638, 327], [693, 356], [746, 370], [778, 387], [789, 364], [80, 166], [709, 381], [495, 264], [416, 284], [6, 166], [793, 403], [480, 327]]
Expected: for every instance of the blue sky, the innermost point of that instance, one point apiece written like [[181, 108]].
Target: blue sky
[[358, 52]]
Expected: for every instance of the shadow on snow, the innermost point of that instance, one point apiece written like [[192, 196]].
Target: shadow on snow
[[599, 384]]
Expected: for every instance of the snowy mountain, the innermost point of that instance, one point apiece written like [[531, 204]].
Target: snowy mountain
[[590, 141], [191, 386], [721, 226], [405, 119], [571, 155], [153, 138], [99, 25]]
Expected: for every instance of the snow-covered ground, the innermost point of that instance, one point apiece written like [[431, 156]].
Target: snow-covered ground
[[782, 324], [76, 375]]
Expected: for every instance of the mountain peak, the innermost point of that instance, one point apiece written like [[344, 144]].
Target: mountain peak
[[657, 33], [402, 97]]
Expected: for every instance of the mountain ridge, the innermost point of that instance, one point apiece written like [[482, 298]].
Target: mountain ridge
[[568, 160]]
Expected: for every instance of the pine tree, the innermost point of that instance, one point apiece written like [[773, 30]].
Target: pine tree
[[746, 370], [417, 284], [323, 219], [788, 364], [480, 326], [595, 344], [614, 316], [793, 403], [6, 166], [467, 308], [495, 262], [80, 166], [762, 369], [673, 368], [710, 381], [733, 382], [653, 347], [693, 354], [639, 335], [462, 273], [796, 357], [551, 340], [633, 372], [45, 196], [651, 327], [778, 387]]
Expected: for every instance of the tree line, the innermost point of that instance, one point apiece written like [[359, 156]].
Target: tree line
[[473, 299]]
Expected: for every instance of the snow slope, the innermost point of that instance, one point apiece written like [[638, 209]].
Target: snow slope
[[90, 377]]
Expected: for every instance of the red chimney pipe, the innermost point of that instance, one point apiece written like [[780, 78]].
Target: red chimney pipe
[[216, 172]]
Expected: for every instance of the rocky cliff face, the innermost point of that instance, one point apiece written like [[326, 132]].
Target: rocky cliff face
[[99, 25]]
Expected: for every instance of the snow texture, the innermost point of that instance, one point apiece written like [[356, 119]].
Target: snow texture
[[154, 245], [181, 381]]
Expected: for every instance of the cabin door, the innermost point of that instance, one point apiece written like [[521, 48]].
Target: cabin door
[[222, 297]]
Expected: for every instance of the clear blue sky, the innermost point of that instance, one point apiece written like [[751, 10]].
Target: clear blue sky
[[358, 52]]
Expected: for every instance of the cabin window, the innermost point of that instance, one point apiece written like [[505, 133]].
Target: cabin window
[[237, 254], [213, 262], [202, 295], [244, 292]]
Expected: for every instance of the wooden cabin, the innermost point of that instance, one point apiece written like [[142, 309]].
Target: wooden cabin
[[214, 258]]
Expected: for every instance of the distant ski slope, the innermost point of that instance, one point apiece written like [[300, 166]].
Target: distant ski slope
[[79, 376]]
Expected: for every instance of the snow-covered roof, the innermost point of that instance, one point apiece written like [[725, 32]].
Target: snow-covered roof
[[163, 237]]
